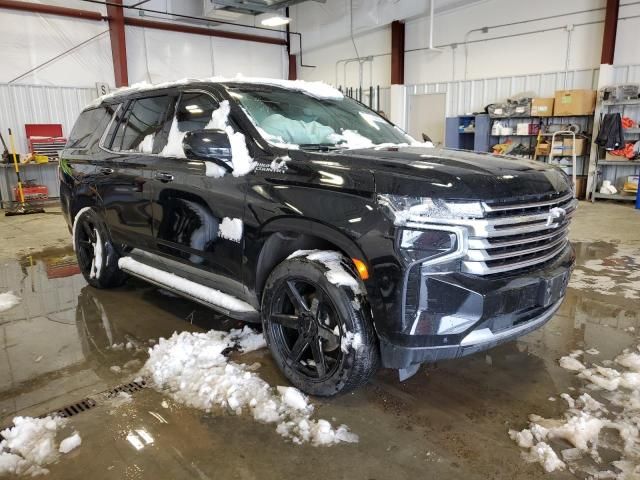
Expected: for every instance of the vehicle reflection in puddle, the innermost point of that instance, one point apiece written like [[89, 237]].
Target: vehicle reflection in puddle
[[66, 340]]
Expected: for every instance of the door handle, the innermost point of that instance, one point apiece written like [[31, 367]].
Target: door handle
[[164, 177], [106, 171]]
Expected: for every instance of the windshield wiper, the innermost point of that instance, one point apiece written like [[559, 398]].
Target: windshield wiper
[[318, 147]]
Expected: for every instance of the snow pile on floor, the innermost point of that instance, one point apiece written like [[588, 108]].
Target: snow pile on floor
[[602, 419], [30, 445], [621, 274], [193, 370], [8, 300], [336, 273]]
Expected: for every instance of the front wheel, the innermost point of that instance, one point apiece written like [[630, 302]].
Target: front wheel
[[97, 259], [317, 331]]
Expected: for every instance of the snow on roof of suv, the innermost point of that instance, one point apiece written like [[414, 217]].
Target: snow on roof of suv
[[315, 89]]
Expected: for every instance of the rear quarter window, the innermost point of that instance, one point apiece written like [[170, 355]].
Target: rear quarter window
[[89, 127]]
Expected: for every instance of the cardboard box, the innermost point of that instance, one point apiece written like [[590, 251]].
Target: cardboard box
[[581, 146], [522, 129], [615, 158], [574, 102], [558, 147], [542, 107], [543, 149]]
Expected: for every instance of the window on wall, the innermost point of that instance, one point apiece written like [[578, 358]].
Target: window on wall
[[144, 126], [194, 111]]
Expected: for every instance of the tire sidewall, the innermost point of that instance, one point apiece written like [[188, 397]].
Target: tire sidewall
[[109, 273], [350, 318]]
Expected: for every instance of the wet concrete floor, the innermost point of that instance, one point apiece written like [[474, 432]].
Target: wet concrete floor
[[448, 422]]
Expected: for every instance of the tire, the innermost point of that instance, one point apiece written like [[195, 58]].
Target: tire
[[97, 259], [300, 329]]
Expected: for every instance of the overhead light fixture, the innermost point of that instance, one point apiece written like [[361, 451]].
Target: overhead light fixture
[[274, 20]]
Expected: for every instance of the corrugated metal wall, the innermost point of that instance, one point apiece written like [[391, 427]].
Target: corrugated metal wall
[[473, 95], [20, 104]]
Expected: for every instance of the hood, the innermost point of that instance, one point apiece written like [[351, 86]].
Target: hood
[[453, 174]]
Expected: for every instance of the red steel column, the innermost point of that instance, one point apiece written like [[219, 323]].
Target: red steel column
[[610, 30], [293, 73], [118, 43], [397, 53]]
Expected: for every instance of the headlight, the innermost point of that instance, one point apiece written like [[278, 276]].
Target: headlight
[[405, 209], [426, 244]]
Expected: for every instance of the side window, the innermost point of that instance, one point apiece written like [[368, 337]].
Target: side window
[[194, 111], [89, 127], [141, 128]]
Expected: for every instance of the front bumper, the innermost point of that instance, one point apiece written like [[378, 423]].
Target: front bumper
[[457, 314]]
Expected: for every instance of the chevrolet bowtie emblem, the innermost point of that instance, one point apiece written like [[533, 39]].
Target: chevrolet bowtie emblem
[[556, 217]]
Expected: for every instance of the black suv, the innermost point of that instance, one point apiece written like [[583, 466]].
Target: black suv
[[287, 204]]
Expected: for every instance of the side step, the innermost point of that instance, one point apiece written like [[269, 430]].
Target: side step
[[210, 297]]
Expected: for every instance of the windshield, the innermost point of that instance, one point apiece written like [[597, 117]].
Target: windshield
[[290, 117]]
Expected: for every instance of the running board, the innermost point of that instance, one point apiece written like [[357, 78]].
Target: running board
[[210, 297]]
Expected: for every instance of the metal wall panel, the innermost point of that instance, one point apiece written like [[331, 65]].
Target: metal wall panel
[[473, 95], [20, 104]]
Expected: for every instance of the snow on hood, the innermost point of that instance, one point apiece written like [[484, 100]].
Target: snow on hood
[[315, 89]]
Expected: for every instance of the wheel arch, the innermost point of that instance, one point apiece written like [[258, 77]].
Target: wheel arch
[[284, 236]]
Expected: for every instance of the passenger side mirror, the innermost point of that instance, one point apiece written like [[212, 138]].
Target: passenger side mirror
[[211, 145]]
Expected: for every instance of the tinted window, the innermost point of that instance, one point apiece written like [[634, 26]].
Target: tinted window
[[194, 111], [142, 127], [89, 127]]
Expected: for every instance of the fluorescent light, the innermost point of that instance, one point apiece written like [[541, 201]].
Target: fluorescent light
[[275, 21]]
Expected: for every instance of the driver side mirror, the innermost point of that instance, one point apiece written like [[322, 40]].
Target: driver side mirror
[[211, 145]]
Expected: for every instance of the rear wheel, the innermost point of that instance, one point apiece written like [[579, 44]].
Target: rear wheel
[[97, 259], [318, 332]]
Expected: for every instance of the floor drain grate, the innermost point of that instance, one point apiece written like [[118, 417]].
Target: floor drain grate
[[131, 387], [75, 408]]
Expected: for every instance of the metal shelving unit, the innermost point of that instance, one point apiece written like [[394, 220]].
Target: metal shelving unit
[[614, 169]]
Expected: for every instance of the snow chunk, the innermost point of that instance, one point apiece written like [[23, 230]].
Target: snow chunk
[[75, 222], [350, 340], [96, 261], [231, 229], [336, 273], [180, 284], [214, 170], [70, 443], [247, 339], [351, 140], [545, 456], [173, 148], [29, 445], [194, 371], [294, 398], [146, 146], [220, 116], [8, 300], [570, 363]]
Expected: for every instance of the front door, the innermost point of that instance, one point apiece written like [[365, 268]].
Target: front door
[[197, 208], [139, 130]]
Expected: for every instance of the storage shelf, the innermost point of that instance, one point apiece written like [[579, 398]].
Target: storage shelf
[[617, 196], [516, 135], [620, 163], [631, 130], [546, 116], [613, 103]]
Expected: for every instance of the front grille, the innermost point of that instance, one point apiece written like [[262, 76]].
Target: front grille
[[517, 235]]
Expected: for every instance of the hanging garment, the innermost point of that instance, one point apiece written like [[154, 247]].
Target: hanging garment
[[610, 135]]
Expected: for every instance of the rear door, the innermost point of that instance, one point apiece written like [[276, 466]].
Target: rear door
[[135, 137], [197, 207]]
